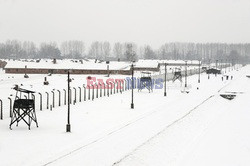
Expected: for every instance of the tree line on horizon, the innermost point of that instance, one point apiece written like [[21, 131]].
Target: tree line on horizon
[[75, 49]]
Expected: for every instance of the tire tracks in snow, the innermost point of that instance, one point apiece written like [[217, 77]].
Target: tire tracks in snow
[[118, 129], [167, 127]]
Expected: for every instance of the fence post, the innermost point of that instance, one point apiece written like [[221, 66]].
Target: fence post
[[75, 96], [120, 86], [117, 86], [10, 106], [93, 92], [47, 100], [70, 96], [125, 81], [59, 94], [80, 94], [96, 90], [89, 92], [84, 93], [33, 96], [100, 89], [104, 89], [123, 85], [111, 88], [53, 99], [64, 96], [114, 87], [128, 84], [108, 89], [41, 101], [1, 116]]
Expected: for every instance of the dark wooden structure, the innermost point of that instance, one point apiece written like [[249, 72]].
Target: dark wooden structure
[[177, 75], [23, 109], [213, 71], [146, 82]]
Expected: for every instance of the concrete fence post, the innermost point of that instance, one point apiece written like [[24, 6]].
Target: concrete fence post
[[65, 101], [84, 93], [41, 101], [59, 98], [1, 111], [47, 100], [80, 94], [10, 106], [96, 90], [53, 99], [104, 89]]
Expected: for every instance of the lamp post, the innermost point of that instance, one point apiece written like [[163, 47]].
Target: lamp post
[[132, 101], [68, 122], [165, 83]]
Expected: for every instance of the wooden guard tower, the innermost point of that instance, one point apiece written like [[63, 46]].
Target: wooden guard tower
[[177, 75], [23, 109]]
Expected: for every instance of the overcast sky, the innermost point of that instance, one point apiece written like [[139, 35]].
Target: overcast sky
[[141, 21]]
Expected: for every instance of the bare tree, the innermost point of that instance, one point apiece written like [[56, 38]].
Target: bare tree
[[73, 49], [118, 51], [106, 48], [130, 51]]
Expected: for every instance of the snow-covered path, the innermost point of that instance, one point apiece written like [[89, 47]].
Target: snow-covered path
[[216, 133], [107, 130]]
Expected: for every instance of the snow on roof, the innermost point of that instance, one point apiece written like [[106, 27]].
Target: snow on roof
[[147, 63], [68, 64], [193, 62], [91, 64]]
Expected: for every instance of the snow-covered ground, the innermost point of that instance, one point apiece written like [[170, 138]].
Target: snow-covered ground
[[195, 128]]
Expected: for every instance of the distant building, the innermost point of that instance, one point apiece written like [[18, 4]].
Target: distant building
[[213, 71]]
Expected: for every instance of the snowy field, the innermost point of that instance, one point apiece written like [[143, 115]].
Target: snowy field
[[195, 128]]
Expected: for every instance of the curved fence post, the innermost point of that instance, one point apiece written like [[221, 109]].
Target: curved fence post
[[117, 86], [96, 90], [33, 96], [89, 92], [41, 101], [114, 87], [100, 85], [93, 91], [47, 100], [125, 82], [129, 84], [104, 89], [124, 86], [111, 88], [25, 97], [59, 95], [1, 112], [121, 86], [70, 96], [107, 89], [75, 96], [10, 106], [84, 93], [64, 96], [53, 99], [80, 94]]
